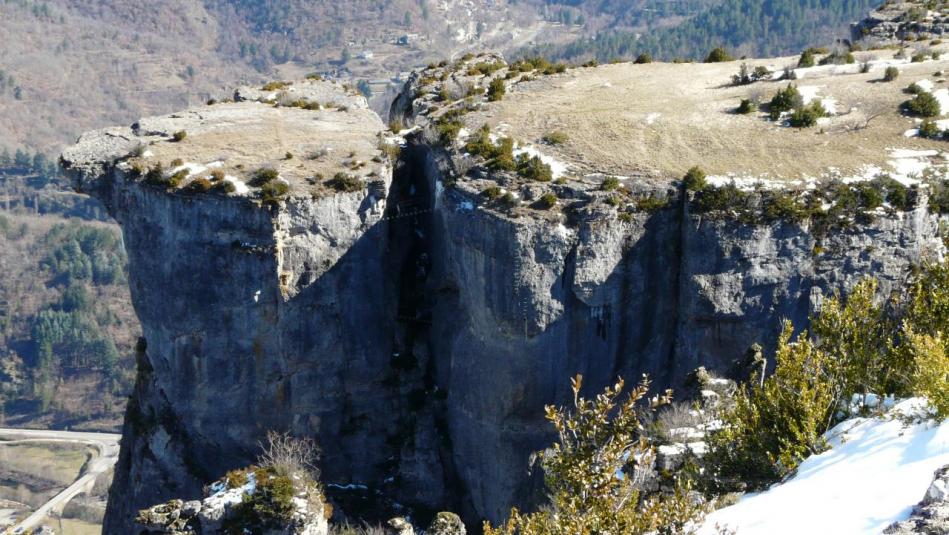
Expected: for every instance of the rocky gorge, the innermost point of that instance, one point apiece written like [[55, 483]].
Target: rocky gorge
[[415, 312]]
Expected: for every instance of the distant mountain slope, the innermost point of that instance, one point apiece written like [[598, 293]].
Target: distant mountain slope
[[746, 27]]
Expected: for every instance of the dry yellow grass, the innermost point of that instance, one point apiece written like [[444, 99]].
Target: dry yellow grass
[[54, 462], [68, 526], [657, 120], [248, 135]]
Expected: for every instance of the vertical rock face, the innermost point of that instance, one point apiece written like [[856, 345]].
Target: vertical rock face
[[249, 309], [410, 324], [524, 304]]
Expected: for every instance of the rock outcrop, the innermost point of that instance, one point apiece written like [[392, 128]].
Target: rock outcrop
[[229, 507], [417, 322], [895, 22], [931, 514]]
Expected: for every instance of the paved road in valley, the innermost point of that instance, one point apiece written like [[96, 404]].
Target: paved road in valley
[[106, 446]]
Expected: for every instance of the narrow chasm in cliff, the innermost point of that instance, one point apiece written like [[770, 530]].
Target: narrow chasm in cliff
[[418, 473]]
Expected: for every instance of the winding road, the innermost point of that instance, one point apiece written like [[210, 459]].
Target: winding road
[[107, 446]]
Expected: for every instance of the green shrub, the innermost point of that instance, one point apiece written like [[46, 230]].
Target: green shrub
[[785, 100], [176, 179], [931, 371], [274, 190], [137, 169], [217, 175], [199, 185], [491, 192], [503, 156], [918, 57], [275, 85], [807, 58], [496, 90], [923, 105], [155, 175], [746, 106], [180, 135], [807, 116], [839, 57], [609, 183], [533, 168], [643, 58], [891, 74], [485, 68], [718, 55], [263, 176], [694, 180], [599, 445], [236, 479], [929, 130], [546, 201], [177, 162], [723, 199], [344, 182], [783, 206], [857, 337], [269, 507], [395, 126], [894, 193], [651, 204], [479, 143], [556, 138], [448, 125], [773, 426], [913, 89], [225, 186]]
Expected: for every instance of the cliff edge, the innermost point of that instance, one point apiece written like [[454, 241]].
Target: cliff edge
[[414, 314]]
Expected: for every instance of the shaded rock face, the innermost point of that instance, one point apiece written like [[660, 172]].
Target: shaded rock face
[[419, 344], [249, 324], [522, 306]]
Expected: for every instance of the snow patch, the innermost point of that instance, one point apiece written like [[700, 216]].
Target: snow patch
[[222, 497], [192, 168], [562, 231], [652, 117], [851, 68], [240, 187], [875, 472], [942, 95]]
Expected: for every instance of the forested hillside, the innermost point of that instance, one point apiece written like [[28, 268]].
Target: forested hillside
[[745, 27]]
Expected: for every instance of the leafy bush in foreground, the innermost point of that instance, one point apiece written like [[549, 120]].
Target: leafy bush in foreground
[[590, 471], [859, 346], [773, 426]]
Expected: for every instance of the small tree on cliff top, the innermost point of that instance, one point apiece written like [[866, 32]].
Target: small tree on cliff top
[[591, 472]]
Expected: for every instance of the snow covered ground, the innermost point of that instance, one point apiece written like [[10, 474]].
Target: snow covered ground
[[875, 472]]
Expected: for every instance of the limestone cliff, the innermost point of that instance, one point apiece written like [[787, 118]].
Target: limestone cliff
[[414, 318]]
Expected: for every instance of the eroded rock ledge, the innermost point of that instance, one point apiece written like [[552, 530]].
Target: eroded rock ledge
[[412, 324]]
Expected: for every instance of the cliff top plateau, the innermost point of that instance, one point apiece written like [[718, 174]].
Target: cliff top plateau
[[654, 121], [283, 137]]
